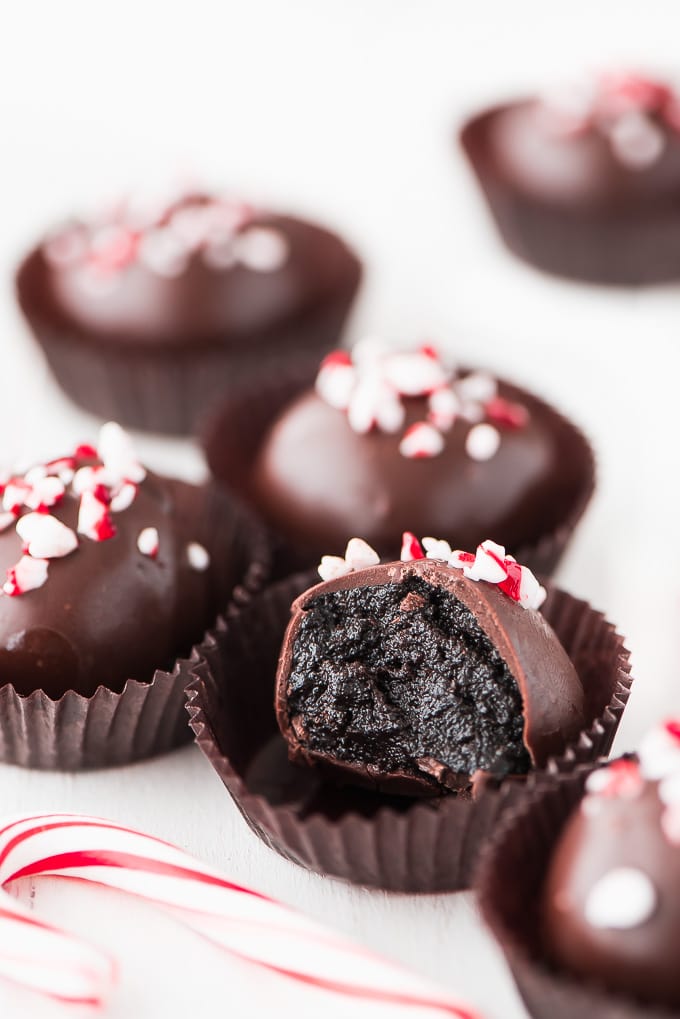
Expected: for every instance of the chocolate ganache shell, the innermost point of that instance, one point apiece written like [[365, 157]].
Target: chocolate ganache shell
[[318, 482], [410, 678], [107, 612]]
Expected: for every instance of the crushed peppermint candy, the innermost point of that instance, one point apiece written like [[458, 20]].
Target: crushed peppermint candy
[[27, 575], [372, 383], [490, 564], [147, 542], [632, 112], [198, 557], [103, 489], [165, 239], [358, 556], [623, 898], [658, 760]]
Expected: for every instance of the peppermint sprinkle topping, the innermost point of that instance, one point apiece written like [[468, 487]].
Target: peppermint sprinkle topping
[[482, 442], [624, 898], [28, 502], [46, 537], [490, 564], [373, 384], [658, 761], [358, 556], [27, 575], [147, 542], [198, 557], [633, 113], [164, 240]]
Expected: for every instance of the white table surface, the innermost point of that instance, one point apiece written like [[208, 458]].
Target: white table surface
[[343, 109]]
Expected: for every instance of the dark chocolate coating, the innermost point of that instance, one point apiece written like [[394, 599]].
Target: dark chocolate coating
[[318, 483], [567, 204], [507, 645], [624, 832], [202, 305], [107, 613]]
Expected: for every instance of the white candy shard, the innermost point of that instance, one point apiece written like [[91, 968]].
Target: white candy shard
[[636, 140], [414, 373], [482, 442], [622, 899], [444, 407], [359, 555], [117, 453], [198, 557], [332, 566], [45, 536], [437, 548], [124, 497], [261, 249]]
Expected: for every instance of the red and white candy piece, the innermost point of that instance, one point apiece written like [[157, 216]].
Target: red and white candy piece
[[336, 379], [415, 373], [27, 575], [358, 556], [45, 537], [491, 564], [659, 751], [94, 519], [244, 923], [117, 452], [148, 542], [421, 441], [411, 549]]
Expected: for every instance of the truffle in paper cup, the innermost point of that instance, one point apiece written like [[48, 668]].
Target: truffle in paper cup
[[510, 883], [115, 582], [151, 320], [390, 842], [502, 462]]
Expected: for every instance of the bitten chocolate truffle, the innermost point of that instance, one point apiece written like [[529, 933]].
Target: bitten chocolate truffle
[[149, 314], [585, 182], [612, 896], [394, 440], [413, 676], [106, 578]]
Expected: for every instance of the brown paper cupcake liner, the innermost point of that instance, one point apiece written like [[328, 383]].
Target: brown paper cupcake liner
[[384, 842], [509, 881], [146, 718], [233, 434], [170, 389]]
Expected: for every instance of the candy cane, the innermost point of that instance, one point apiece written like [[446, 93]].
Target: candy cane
[[246, 924]]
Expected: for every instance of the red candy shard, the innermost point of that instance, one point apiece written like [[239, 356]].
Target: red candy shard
[[672, 727], [83, 452], [512, 584], [336, 357], [503, 412]]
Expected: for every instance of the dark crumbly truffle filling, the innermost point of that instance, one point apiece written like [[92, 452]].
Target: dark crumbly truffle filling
[[402, 677]]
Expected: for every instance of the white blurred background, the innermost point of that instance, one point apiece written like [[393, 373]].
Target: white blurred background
[[345, 110]]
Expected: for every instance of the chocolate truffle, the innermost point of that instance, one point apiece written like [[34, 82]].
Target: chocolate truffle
[[107, 579], [148, 315], [395, 440], [413, 676], [612, 895], [585, 183]]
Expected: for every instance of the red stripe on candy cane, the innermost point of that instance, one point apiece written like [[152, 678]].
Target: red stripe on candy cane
[[249, 926]]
